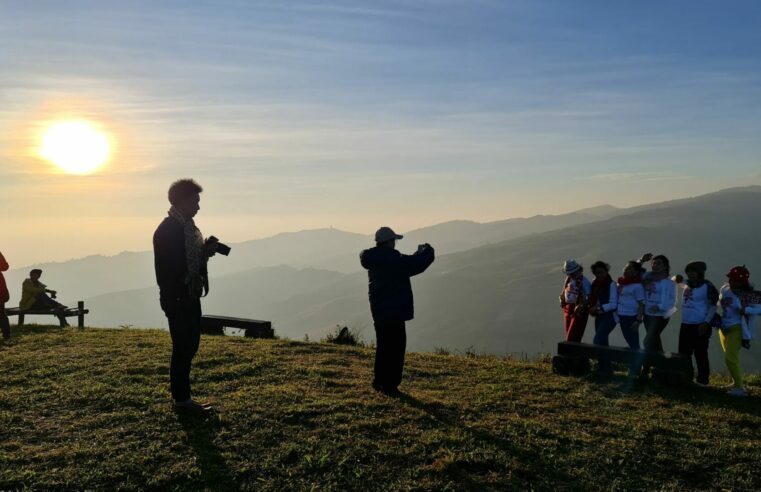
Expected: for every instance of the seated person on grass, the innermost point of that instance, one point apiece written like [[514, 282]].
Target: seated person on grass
[[34, 295]]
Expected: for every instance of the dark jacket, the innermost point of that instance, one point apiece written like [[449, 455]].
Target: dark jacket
[[389, 274], [170, 261]]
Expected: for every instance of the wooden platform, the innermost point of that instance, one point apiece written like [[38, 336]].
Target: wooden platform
[[78, 311], [254, 328]]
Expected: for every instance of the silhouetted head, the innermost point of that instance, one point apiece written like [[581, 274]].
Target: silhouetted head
[[572, 268], [184, 195], [632, 269], [385, 237], [600, 269], [661, 265], [739, 278], [35, 273], [696, 270]]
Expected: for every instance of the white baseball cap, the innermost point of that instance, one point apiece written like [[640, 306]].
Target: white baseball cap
[[386, 234]]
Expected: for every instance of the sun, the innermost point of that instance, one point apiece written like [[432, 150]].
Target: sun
[[76, 147]]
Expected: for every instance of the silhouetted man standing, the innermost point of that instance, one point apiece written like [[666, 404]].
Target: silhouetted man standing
[[391, 302], [180, 255]]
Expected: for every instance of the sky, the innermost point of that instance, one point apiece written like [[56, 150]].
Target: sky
[[297, 115]]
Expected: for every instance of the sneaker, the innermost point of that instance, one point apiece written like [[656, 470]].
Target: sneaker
[[702, 385], [737, 392], [192, 406]]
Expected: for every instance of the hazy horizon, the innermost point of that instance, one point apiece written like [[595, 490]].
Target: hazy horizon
[[147, 236], [298, 116]]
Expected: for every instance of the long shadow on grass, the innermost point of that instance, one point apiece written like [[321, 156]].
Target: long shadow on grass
[[530, 459], [713, 397], [215, 473]]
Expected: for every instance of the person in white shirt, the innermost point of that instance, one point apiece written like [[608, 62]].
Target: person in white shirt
[[740, 304], [660, 305], [699, 298], [631, 303], [603, 302]]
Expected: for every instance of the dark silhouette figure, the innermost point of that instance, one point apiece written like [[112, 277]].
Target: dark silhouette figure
[[391, 302], [34, 295], [5, 325], [180, 255]]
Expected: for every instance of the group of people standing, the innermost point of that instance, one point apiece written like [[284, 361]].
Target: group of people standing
[[650, 298]]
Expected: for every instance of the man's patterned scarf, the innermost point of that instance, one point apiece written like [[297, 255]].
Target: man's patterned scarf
[[195, 280]]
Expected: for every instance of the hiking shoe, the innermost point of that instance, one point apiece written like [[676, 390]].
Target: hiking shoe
[[737, 392], [192, 406]]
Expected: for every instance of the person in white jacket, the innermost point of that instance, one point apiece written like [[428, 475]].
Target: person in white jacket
[[660, 305], [699, 298], [739, 304]]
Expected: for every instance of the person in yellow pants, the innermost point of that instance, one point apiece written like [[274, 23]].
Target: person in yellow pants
[[739, 304], [731, 342]]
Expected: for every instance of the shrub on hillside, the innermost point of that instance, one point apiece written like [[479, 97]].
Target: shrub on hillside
[[344, 336]]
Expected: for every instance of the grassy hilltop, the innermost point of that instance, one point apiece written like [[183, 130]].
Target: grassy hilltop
[[89, 409]]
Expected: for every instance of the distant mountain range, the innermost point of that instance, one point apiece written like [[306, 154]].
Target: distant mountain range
[[324, 249], [499, 296]]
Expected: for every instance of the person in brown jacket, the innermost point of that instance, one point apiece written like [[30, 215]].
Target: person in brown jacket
[[5, 325]]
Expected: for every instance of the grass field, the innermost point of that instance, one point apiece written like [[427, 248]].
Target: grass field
[[89, 409]]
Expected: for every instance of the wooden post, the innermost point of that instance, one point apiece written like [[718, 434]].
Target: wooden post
[[81, 314], [21, 319]]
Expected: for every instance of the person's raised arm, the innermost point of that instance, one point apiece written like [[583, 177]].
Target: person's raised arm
[[418, 262]]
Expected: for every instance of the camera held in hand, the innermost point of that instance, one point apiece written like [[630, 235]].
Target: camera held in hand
[[222, 248]]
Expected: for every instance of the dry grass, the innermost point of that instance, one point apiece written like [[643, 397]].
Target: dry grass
[[90, 410]]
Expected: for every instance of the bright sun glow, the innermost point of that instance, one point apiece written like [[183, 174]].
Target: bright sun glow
[[77, 147]]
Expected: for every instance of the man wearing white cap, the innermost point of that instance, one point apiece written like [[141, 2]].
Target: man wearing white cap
[[391, 302]]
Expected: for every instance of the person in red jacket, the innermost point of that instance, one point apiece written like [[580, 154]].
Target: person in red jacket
[[5, 325]]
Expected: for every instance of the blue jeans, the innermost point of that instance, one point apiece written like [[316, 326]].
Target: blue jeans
[[630, 330], [604, 324]]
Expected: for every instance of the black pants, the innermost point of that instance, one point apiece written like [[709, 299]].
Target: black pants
[[692, 342], [654, 326], [184, 318], [391, 341], [5, 324], [44, 301]]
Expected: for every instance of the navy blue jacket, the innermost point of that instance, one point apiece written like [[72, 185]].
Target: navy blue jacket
[[389, 274], [170, 261]]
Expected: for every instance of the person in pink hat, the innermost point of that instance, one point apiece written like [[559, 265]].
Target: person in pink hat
[[574, 301], [739, 305]]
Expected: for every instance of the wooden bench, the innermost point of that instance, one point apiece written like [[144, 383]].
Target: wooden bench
[[573, 358], [254, 328], [78, 311]]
